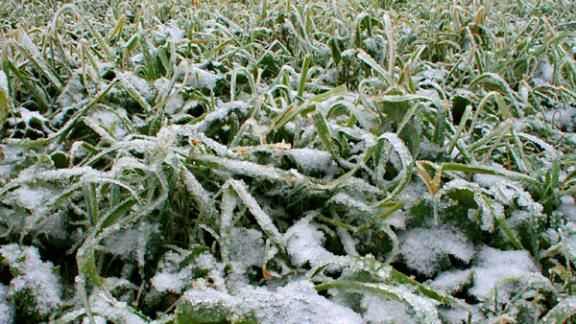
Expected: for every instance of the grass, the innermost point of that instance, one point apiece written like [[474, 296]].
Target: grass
[[154, 150]]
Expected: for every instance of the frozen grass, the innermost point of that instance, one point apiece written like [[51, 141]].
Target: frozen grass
[[274, 161]]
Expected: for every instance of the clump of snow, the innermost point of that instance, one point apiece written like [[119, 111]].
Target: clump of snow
[[437, 75], [198, 78], [304, 244], [3, 83], [122, 244], [33, 277], [172, 282], [97, 320], [422, 249], [310, 161], [30, 116], [32, 197], [6, 308], [378, 310], [176, 272], [350, 202], [219, 115], [546, 69], [111, 120], [72, 94], [452, 281], [495, 265], [113, 310], [562, 117], [568, 207], [247, 248], [141, 85], [172, 31], [297, 302]]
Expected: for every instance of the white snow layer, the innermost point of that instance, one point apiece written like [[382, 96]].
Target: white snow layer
[[422, 249], [297, 302], [34, 277]]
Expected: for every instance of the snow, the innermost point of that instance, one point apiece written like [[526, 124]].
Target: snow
[[546, 69], [172, 282], [113, 310], [495, 265], [422, 249], [452, 281], [346, 200], [174, 275], [247, 248], [33, 276], [378, 310], [219, 115], [568, 207], [29, 116], [4, 84], [172, 31], [72, 94], [111, 120], [562, 117], [122, 244], [6, 307], [297, 302], [140, 85], [198, 78], [310, 160], [304, 244], [32, 198], [437, 75]]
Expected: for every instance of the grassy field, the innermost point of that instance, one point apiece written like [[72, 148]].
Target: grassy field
[[283, 161]]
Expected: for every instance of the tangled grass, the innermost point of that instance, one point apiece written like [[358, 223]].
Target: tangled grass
[[287, 161]]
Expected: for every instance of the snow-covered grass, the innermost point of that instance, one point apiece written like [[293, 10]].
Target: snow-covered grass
[[284, 161]]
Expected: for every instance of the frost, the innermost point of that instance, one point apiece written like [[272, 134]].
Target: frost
[[297, 302], [32, 276], [495, 265], [562, 312], [422, 249], [310, 161]]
